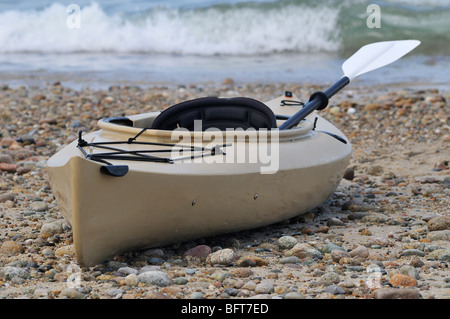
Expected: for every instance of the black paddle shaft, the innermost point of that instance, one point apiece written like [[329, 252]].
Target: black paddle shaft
[[315, 102]]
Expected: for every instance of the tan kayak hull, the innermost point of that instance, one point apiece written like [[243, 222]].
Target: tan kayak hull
[[156, 204]]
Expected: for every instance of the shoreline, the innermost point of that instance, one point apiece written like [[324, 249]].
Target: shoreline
[[384, 233]]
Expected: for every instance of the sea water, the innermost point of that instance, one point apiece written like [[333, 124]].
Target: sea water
[[143, 42]]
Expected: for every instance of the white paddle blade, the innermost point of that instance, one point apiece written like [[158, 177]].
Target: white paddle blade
[[376, 55]]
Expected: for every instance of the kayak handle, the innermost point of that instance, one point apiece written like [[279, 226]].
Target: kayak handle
[[316, 102]]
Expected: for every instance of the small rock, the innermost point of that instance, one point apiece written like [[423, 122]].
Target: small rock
[[439, 235], [409, 271], [10, 272], [335, 222], [71, 293], [11, 248], [51, 228], [155, 277], [397, 293], [334, 290], [360, 251], [38, 206], [131, 280], [329, 247], [294, 295], [337, 254], [5, 197], [349, 173], [201, 251], [221, 257], [287, 242], [400, 280], [290, 260], [412, 252], [439, 223], [264, 287], [251, 261], [375, 170], [68, 250]]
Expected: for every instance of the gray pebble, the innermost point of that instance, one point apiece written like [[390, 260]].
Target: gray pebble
[[71, 293], [412, 252], [329, 247], [180, 281], [155, 277], [294, 295], [10, 272], [196, 295], [287, 242], [264, 287], [128, 270], [290, 260], [335, 222], [189, 271], [334, 290]]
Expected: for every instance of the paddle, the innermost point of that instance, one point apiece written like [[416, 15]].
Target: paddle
[[368, 58]]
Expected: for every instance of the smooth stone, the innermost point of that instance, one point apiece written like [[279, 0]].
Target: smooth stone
[[334, 290], [397, 293], [221, 257], [290, 260], [439, 223], [155, 277], [412, 252], [360, 251], [71, 293], [264, 287], [329, 247], [11, 248], [287, 242], [294, 295]]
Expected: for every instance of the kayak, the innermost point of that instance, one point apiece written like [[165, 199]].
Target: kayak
[[129, 186], [204, 167]]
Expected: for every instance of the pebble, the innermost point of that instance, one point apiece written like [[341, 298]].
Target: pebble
[[294, 295], [10, 272], [11, 248], [439, 223], [264, 287], [412, 252], [51, 228], [400, 280], [155, 277], [360, 251], [334, 290], [397, 293], [439, 235], [290, 260], [329, 247], [221, 257], [5, 197], [131, 280], [287, 242], [71, 293], [337, 254], [335, 222], [201, 251]]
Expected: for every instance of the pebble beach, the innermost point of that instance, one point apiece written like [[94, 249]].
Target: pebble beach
[[384, 233]]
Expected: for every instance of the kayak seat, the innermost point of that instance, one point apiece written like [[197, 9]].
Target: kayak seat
[[214, 112]]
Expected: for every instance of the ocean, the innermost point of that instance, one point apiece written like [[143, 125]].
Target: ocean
[[100, 43]]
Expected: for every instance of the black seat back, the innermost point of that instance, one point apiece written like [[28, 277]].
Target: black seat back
[[220, 113]]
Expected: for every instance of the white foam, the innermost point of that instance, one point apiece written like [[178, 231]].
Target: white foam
[[202, 31]]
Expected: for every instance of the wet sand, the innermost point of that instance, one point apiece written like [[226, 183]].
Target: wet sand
[[383, 234]]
